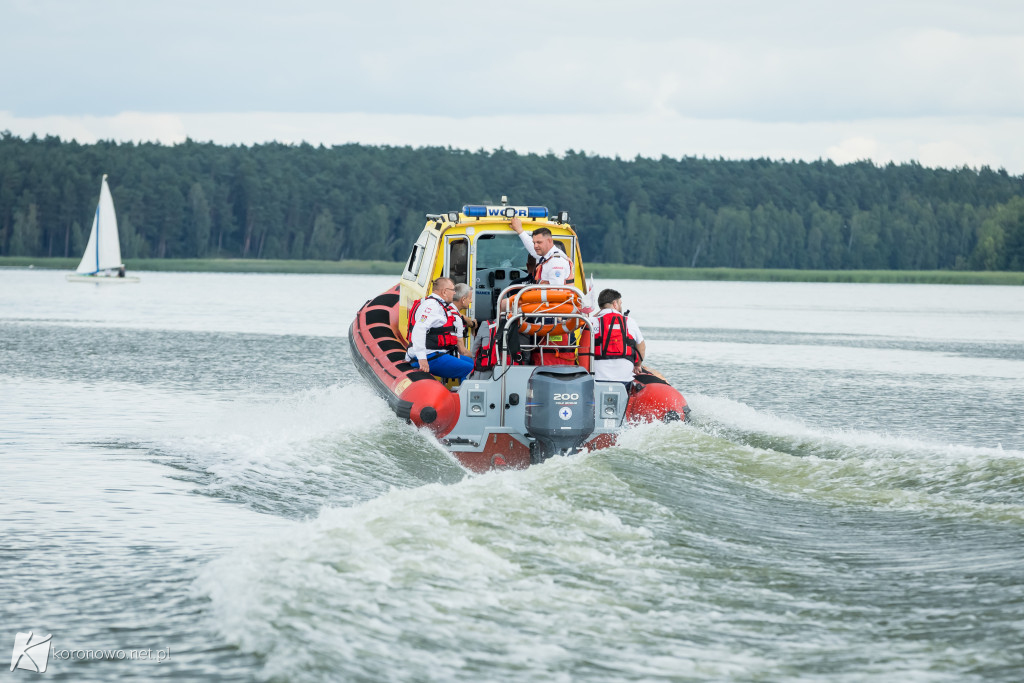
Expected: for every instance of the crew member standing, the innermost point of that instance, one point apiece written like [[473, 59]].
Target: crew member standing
[[619, 347], [436, 333], [553, 266]]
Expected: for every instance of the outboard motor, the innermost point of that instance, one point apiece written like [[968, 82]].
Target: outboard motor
[[559, 410]]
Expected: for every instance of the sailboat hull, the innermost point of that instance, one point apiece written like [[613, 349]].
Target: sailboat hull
[[105, 279]]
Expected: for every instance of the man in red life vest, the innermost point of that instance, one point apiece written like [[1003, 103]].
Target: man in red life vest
[[436, 333], [553, 266], [619, 347]]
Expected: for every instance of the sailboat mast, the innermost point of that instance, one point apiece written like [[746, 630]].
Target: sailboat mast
[[103, 185], [98, 235]]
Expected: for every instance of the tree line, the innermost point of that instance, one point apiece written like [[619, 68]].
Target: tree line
[[367, 202]]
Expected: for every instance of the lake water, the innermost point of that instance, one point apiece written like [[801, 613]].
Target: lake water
[[192, 465]]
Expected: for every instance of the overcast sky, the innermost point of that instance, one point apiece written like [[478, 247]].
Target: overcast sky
[[937, 81]]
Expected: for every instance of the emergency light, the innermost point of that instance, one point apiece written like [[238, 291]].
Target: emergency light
[[451, 217], [482, 211]]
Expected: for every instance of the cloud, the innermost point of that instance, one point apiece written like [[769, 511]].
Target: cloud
[[855, 149], [124, 127], [792, 60], [930, 80]]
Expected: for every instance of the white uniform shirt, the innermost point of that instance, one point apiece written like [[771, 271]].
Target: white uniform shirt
[[556, 269], [615, 369], [431, 313]]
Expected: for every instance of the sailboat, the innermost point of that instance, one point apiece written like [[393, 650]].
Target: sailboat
[[102, 259]]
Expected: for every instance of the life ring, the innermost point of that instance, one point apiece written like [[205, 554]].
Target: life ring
[[542, 329], [548, 302], [549, 296], [549, 308]]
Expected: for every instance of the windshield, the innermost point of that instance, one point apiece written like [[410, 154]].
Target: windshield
[[500, 250]]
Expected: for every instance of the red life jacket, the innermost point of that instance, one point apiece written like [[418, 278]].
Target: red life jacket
[[442, 338], [487, 354], [613, 339], [540, 266]]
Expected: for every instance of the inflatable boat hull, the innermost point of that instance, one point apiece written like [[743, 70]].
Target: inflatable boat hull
[[466, 421]]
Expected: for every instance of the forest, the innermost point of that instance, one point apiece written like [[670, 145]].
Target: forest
[[278, 201]]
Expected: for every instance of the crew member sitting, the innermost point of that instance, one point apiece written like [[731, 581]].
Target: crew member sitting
[[531, 267], [619, 347], [463, 300], [553, 266], [436, 333]]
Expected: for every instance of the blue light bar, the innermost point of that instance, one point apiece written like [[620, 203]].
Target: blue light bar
[[481, 211]]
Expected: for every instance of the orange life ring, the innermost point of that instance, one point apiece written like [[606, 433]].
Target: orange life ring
[[569, 325], [548, 302], [548, 296], [549, 309]]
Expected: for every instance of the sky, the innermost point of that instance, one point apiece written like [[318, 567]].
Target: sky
[[938, 82]]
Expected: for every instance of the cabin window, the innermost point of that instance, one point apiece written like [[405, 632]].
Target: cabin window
[[413, 266], [500, 250], [427, 262], [458, 260], [500, 259]]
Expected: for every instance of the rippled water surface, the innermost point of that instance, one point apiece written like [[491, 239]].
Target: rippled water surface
[[191, 464]]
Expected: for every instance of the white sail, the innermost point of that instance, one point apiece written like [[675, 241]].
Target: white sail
[[104, 248]]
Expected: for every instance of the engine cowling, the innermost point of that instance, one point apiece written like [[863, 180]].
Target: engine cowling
[[559, 410]]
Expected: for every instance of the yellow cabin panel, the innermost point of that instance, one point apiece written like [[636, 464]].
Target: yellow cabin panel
[[483, 252]]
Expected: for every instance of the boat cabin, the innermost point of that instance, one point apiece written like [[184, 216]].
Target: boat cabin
[[478, 247]]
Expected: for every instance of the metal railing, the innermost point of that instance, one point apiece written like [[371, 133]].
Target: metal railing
[[515, 315]]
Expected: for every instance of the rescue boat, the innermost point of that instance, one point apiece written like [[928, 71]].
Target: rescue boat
[[541, 398]]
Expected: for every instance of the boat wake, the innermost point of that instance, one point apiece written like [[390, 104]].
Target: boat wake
[[291, 455], [681, 552], [736, 546], [858, 467]]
